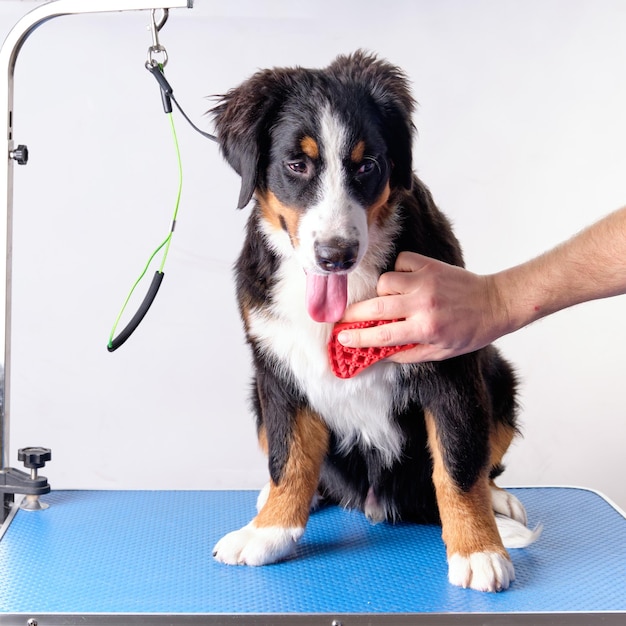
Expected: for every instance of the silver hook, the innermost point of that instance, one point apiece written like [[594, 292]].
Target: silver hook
[[156, 48]]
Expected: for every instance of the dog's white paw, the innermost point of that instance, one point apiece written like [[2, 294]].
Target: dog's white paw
[[256, 546], [483, 571], [508, 505], [372, 508], [512, 521]]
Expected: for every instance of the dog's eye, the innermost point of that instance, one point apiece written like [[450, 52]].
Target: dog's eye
[[365, 168], [299, 167]]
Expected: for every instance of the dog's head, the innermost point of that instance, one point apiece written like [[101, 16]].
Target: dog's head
[[321, 150]]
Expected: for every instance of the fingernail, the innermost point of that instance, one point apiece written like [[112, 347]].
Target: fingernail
[[344, 337]]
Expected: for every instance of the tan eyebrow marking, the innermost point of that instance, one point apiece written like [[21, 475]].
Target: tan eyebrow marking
[[358, 152], [309, 147]]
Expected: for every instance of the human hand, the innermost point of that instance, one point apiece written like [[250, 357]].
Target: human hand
[[446, 309]]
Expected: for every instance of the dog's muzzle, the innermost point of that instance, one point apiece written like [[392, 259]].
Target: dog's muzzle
[[336, 255]]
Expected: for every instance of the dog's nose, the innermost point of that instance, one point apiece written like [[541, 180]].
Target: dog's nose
[[336, 255]]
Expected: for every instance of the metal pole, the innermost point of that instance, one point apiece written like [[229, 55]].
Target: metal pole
[[8, 55]]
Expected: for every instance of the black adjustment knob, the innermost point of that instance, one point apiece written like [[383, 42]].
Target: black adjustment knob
[[20, 154], [34, 458]]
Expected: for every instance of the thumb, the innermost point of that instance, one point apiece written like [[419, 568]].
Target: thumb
[[412, 262]]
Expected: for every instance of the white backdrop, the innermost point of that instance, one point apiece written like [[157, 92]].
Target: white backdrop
[[522, 129]]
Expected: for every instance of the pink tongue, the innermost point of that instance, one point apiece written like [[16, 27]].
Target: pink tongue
[[326, 296]]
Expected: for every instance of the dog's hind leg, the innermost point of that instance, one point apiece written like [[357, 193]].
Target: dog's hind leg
[[503, 502], [476, 555], [511, 517], [272, 534], [507, 504]]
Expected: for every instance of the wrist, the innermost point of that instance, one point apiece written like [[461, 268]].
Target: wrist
[[511, 308], [523, 294]]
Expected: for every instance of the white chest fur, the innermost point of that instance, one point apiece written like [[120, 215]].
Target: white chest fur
[[357, 409]]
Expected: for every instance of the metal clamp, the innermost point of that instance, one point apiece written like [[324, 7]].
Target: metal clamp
[[31, 485]]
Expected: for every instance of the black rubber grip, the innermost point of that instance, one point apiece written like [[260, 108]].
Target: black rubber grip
[[141, 313], [166, 88], [160, 77]]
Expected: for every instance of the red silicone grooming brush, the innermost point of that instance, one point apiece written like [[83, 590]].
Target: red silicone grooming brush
[[348, 362]]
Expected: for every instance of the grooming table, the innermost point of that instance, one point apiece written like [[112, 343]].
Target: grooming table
[[138, 557]]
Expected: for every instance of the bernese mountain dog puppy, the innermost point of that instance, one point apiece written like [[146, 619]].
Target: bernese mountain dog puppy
[[326, 155]]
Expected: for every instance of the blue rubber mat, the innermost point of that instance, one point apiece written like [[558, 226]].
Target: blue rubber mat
[[133, 552]]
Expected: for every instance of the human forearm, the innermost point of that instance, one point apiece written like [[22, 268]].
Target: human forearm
[[589, 266]]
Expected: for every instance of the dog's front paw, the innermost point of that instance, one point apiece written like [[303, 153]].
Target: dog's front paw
[[483, 571], [256, 546]]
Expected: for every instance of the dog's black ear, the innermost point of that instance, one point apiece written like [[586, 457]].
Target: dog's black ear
[[389, 90], [243, 119]]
